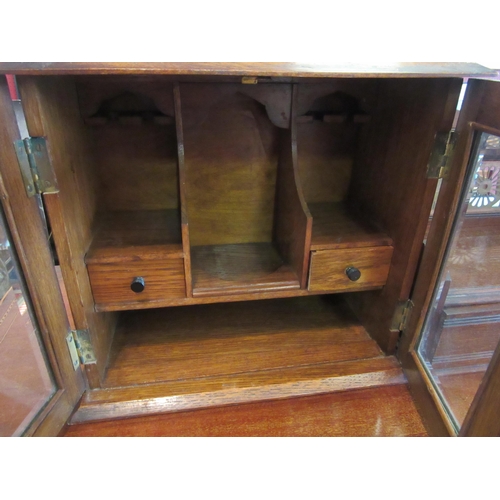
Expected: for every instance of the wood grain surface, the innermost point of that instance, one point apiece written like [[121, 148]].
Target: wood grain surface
[[231, 269], [381, 411], [336, 227], [482, 418], [328, 268], [278, 69], [163, 277], [238, 388], [121, 235], [293, 221], [392, 189], [52, 111], [480, 109], [136, 166], [231, 159], [30, 240], [224, 339], [186, 244]]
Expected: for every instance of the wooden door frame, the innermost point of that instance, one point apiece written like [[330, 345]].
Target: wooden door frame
[[29, 237], [476, 116]]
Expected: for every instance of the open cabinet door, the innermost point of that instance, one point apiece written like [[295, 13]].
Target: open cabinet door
[[36, 293], [51, 108], [450, 349]]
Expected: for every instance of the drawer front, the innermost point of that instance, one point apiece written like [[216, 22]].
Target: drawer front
[[328, 268], [162, 279]]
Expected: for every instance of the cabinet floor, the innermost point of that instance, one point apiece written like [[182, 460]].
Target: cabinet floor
[[380, 411]]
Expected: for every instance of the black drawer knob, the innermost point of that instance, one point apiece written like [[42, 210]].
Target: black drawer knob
[[353, 273], [138, 285]]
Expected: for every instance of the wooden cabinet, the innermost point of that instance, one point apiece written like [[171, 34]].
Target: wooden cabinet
[[237, 226]]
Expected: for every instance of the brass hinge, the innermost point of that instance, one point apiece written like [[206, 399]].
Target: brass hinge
[[440, 160], [84, 346], [402, 315], [80, 348], [73, 351], [36, 169]]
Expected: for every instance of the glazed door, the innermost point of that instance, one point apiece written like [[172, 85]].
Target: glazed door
[[451, 349], [39, 382]]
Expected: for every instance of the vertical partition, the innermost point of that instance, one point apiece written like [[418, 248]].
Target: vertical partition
[[293, 222]]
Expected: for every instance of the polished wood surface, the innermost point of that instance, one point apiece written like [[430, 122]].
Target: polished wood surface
[[186, 245], [392, 188], [231, 159], [48, 103], [122, 236], [474, 264], [481, 102], [328, 132], [223, 339], [228, 269], [335, 227], [382, 411], [278, 293], [136, 166], [293, 221], [226, 140], [459, 391], [283, 69], [328, 268], [31, 242], [163, 278], [482, 418], [237, 388]]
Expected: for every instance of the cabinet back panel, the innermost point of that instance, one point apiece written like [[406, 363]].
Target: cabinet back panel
[[325, 152], [231, 157], [137, 166], [133, 128], [327, 131]]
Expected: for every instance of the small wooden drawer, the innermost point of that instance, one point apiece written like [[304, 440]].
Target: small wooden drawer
[[328, 268], [111, 282]]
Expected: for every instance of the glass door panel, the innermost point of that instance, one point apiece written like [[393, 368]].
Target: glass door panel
[[462, 328], [26, 384]]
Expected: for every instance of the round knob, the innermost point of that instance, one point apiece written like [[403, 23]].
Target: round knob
[[137, 285], [353, 273]]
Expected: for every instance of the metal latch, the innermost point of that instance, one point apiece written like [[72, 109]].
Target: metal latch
[[402, 315], [440, 160], [36, 169]]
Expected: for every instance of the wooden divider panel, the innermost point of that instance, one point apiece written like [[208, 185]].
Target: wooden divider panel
[[293, 221]]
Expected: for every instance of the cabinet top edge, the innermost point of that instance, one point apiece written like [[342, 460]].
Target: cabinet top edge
[[264, 69]]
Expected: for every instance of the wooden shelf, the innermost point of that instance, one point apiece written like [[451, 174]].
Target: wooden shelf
[[243, 268], [227, 340], [335, 228], [150, 234]]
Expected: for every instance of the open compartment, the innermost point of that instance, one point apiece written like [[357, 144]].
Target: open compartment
[[213, 192], [136, 253], [241, 193], [330, 119]]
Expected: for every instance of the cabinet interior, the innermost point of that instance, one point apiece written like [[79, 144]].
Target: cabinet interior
[[217, 191]]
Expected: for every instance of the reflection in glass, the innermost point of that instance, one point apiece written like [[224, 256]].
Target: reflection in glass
[[25, 381], [463, 324]]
